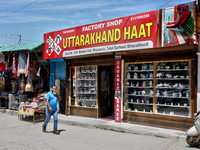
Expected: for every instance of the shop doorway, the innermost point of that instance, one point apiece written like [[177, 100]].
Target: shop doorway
[[106, 92]]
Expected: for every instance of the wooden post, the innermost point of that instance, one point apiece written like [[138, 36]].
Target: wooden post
[[66, 93]]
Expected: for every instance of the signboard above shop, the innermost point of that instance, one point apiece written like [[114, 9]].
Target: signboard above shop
[[170, 26]]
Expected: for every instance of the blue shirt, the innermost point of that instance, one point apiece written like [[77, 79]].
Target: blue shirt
[[53, 99]]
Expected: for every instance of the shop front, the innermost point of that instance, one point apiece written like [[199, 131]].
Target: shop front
[[137, 69], [92, 88], [24, 79], [160, 88]]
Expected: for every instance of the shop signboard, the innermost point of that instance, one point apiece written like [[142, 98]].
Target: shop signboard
[[117, 88], [159, 28]]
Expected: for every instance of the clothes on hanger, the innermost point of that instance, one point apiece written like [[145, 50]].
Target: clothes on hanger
[[2, 66], [38, 72], [28, 65], [22, 63], [14, 64]]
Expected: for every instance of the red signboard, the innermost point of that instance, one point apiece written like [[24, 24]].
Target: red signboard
[[117, 88], [146, 30]]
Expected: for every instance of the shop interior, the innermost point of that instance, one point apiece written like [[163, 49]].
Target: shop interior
[[170, 80], [106, 91], [93, 87]]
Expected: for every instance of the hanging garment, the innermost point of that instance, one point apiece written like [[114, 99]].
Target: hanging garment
[[22, 63], [13, 86], [10, 60], [35, 71], [27, 66], [5, 57], [2, 83], [7, 63], [2, 58], [29, 86], [14, 64], [38, 72], [6, 74], [22, 85], [2, 66], [18, 74], [32, 71], [34, 64]]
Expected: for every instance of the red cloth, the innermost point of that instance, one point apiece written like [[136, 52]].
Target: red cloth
[[27, 65], [2, 66], [34, 64], [18, 74], [14, 65], [180, 20]]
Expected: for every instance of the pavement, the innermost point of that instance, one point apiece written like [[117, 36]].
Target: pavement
[[111, 125]]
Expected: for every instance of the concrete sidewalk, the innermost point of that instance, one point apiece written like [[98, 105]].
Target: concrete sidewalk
[[113, 126]]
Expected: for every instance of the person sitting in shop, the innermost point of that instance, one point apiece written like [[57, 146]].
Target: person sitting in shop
[[34, 103], [41, 95], [34, 99]]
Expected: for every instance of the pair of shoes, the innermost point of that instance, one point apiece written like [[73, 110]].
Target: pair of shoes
[[43, 128], [56, 131]]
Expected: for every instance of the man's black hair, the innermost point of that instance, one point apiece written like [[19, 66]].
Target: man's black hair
[[54, 85]]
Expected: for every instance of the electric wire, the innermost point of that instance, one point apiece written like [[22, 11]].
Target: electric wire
[[18, 10], [17, 38], [164, 4]]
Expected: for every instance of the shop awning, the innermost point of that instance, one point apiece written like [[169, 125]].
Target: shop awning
[[22, 47]]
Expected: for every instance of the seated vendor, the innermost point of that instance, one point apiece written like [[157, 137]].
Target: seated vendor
[[41, 95], [34, 99]]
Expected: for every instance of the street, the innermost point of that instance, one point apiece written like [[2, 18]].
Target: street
[[23, 135]]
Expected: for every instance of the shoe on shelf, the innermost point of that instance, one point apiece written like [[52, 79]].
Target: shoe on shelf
[[43, 128], [56, 131]]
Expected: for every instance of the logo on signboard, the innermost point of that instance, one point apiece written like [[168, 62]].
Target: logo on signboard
[[58, 50], [49, 40], [49, 51], [58, 39], [54, 45]]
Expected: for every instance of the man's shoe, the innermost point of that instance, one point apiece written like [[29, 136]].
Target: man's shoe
[[56, 131], [43, 128]]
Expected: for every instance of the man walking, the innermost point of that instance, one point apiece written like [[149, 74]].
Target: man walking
[[52, 98]]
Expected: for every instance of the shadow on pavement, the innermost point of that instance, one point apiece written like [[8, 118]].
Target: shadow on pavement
[[189, 147], [61, 130]]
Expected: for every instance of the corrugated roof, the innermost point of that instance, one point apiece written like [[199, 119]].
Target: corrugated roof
[[21, 47]]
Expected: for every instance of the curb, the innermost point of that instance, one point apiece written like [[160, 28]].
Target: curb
[[125, 128]]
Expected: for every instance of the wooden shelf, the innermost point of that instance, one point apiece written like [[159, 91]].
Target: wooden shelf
[[139, 70], [143, 79], [158, 70], [172, 97], [151, 87], [140, 95], [172, 78], [158, 104]]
